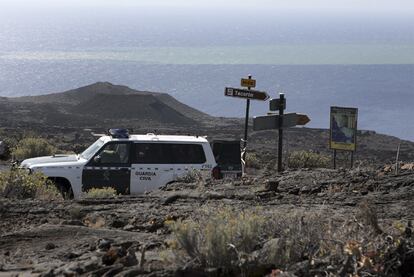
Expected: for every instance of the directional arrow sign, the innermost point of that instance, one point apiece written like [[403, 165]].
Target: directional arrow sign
[[268, 122], [303, 119], [246, 94]]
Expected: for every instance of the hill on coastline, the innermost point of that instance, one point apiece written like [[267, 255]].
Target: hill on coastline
[[99, 103], [97, 107]]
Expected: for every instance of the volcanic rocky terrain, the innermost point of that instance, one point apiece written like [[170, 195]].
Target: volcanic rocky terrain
[[130, 236]]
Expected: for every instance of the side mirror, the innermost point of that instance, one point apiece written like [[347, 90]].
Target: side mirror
[[97, 159]]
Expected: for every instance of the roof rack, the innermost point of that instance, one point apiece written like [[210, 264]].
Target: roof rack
[[118, 133]]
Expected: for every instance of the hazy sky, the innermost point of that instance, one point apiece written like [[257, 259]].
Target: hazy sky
[[369, 6]]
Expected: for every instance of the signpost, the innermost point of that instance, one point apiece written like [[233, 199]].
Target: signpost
[[282, 107], [279, 121], [343, 131], [246, 94]]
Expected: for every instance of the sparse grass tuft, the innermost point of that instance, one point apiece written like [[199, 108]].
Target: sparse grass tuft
[[252, 160], [19, 184], [32, 147], [101, 193], [308, 159]]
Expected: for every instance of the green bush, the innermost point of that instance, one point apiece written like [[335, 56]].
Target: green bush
[[101, 193], [308, 159], [19, 184], [32, 147]]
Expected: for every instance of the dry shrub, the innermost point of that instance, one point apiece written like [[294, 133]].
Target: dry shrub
[[107, 192], [252, 160], [226, 238], [218, 239], [308, 159], [32, 147], [192, 176], [76, 213], [301, 235], [367, 214], [20, 184]]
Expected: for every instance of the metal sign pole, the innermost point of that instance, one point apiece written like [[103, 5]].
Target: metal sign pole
[[280, 146], [352, 159], [334, 159], [246, 125]]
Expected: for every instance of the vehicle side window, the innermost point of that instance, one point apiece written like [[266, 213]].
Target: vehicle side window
[[113, 153], [188, 154], [168, 153], [152, 153]]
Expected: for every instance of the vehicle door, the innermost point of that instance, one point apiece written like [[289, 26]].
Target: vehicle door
[[188, 157], [228, 157], [109, 167], [151, 166]]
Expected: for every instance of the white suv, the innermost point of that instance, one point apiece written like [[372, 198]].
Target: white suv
[[130, 164]]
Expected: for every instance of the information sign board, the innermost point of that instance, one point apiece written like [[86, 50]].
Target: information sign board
[[343, 129]]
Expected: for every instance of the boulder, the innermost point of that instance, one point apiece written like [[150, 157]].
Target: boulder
[[271, 185], [113, 254], [50, 246]]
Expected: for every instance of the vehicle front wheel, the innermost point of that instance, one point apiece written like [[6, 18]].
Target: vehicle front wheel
[[64, 188]]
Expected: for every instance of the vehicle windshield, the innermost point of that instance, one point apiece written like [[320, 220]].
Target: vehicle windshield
[[91, 150]]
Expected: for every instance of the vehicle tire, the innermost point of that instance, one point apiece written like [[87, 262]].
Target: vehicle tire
[[64, 189], [67, 193]]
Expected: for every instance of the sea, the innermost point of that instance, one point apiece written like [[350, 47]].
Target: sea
[[317, 61]]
